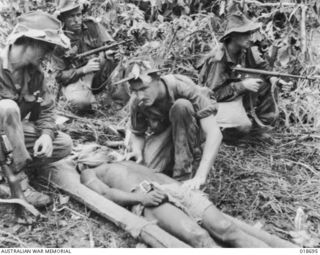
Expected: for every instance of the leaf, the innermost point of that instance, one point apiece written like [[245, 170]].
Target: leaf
[[304, 238], [284, 56], [135, 71], [222, 8], [300, 220], [63, 199]]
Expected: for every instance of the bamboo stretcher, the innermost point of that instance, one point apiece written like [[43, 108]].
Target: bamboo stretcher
[[64, 176]]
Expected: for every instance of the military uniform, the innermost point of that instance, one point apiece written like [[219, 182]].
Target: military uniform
[[79, 88], [172, 126], [233, 98], [26, 106]]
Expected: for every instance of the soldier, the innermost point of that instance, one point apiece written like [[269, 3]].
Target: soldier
[[170, 118], [82, 79], [26, 107], [238, 96]]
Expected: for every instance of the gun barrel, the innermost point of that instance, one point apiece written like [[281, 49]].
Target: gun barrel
[[103, 48], [272, 73]]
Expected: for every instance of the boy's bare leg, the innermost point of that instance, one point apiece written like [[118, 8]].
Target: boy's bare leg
[[168, 217], [223, 229], [176, 222]]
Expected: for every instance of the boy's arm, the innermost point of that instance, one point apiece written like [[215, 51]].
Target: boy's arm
[[90, 179]]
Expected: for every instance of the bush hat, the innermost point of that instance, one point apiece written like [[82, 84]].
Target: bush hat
[[41, 26], [140, 69], [239, 23], [64, 6]]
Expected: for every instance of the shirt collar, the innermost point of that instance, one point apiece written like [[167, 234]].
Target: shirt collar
[[227, 55]]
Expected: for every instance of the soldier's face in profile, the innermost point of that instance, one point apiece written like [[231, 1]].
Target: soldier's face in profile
[[73, 20], [243, 40], [147, 93]]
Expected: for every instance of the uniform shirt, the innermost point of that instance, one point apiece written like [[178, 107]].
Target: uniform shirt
[[22, 87], [155, 118], [217, 74], [92, 36]]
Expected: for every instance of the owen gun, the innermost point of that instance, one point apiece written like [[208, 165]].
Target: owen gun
[[273, 74]]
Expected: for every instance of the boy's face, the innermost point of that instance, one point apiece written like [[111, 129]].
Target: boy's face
[[147, 93]]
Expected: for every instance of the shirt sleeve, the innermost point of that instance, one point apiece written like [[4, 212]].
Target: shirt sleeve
[[46, 120], [138, 122], [216, 77], [201, 98], [65, 75]]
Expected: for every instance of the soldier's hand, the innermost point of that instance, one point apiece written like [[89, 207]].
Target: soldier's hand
[[93, 65], [252, 84], [286, 86], [43, 147], [102, 59], [153, 198]]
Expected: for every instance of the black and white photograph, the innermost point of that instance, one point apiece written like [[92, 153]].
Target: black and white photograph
[[159, 124]]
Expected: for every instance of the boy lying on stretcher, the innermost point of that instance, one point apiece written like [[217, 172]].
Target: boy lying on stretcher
[[186, 214]]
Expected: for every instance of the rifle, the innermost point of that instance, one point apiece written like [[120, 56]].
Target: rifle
[[102, 48], [272, 73], [6, 164]]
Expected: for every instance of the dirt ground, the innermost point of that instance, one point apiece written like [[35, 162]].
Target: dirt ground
[[72, 227]]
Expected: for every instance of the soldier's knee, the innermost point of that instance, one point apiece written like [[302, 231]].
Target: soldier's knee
[[9, 107], [63, 145], [180, 108], [81, 104], [245, 127]]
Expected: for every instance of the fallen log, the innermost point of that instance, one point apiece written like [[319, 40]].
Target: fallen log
[[271, 240], [63, 175]]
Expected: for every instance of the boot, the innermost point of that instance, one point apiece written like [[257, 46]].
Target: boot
[[36, 198], [32, 196]]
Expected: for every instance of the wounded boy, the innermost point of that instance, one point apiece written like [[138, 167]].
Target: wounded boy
[[186, 214]]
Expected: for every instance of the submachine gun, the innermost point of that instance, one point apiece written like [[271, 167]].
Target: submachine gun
[[7, 166], [253, 71], [258, 73]]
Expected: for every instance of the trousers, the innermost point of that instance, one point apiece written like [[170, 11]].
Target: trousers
[[23, 135], [81, 94], [175, 150]]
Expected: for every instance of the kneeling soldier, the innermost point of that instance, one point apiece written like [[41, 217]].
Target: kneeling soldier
[[170, 118], [81, 79], [26, 108], [239, 96]]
